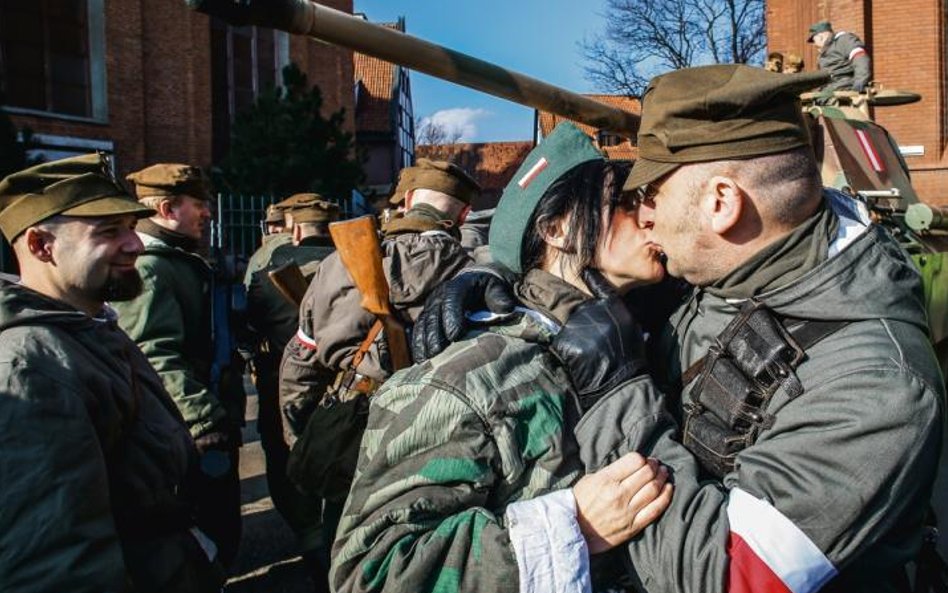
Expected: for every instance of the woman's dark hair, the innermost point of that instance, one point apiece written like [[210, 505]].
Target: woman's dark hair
[[586, 194]]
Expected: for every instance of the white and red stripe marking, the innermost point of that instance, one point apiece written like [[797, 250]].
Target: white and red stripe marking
[[306, 341], [769, 554], [856, 52], [530, 175], [870, 150]]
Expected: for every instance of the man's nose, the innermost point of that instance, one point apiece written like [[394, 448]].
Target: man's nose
[[133, 243], [645, 214]]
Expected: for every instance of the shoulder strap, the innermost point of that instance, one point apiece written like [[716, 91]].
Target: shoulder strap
[[807, 333], [366, 344]]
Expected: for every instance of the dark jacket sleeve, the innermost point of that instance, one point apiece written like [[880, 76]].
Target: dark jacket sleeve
[[844, 465], [858, 56], [56, 526], [154, 320]]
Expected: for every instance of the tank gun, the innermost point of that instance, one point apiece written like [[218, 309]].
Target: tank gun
[[339, 28]]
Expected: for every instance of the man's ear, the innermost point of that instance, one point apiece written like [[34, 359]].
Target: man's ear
[[408, 199], [297, 234], [166, 209], [722, 203], [39, 243]]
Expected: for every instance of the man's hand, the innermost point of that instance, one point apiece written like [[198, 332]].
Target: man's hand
[[443, 319], [620, 500]]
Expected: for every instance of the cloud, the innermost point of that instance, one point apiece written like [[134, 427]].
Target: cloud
[[462, 120]]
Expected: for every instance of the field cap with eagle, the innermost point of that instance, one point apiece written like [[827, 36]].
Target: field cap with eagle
[[82, 186], [562, 151], [720, 112]]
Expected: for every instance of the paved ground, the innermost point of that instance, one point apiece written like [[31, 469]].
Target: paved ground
[[268, 561]]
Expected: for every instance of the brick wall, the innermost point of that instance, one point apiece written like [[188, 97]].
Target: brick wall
[[907, 43], [159, 83]]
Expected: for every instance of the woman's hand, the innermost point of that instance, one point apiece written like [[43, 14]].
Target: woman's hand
[[620, 500]]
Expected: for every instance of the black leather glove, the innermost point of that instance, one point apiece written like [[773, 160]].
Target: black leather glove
[[443, 319], [601, 344]]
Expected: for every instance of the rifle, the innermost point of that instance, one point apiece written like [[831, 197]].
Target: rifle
[[357, 242], [289, 280]]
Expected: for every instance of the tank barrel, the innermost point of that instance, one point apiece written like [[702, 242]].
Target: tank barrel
[[922, 217], [339, 28]]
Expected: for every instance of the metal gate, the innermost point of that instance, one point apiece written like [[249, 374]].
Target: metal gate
[[236, 228]]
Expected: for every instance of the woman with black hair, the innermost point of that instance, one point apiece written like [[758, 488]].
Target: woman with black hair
[[467, 456]]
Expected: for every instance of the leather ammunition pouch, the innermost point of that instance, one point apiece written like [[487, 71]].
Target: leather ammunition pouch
[[753, 357], [323, 460]]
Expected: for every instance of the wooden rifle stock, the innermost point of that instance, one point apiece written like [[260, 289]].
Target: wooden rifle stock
[[289, 280], [357, 242]]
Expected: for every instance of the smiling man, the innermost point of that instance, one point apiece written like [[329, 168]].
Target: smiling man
[[172, 323], [94, 456]]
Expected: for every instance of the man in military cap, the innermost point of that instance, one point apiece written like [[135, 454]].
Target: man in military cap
[[95, 459], [273, 321], [420, 250], [274, 222], [774, 62], [843, 56], [807, 404], [172, 322], [793, 64]]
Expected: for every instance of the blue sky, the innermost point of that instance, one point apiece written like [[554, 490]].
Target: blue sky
[[532, 37]]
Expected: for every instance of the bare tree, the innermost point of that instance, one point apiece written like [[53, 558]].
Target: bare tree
[[431, 132], [643, 38]]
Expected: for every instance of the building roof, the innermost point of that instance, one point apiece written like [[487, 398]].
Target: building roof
[[624, 150], [492, 164], [376, 91]]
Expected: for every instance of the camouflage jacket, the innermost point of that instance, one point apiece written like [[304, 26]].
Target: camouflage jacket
[[451, 446]]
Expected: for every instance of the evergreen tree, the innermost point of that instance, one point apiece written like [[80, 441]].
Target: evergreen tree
[[283, 145]]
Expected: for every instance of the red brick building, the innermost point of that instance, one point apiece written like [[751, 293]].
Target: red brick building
[[908, 42], [147, 81], [492, 164], [384, 119], [614, 145]]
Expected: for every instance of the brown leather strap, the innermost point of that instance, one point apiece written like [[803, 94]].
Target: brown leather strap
[[366, 344]]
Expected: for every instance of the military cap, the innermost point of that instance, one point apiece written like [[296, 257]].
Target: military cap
[[562, 151], [77, 186], [818, 28], [274, 214], [720, 112], [439, 176], [317, 211], [170, 179], [297, 200]]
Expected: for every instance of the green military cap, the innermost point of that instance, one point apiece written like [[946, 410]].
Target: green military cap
[[440, 176], [316, 211], [274, 214], [562, 151], [720, 112], [171, 179], [77, 186], [818, 28]]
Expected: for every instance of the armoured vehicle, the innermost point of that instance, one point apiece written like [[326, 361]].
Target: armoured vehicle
[[857, 155]]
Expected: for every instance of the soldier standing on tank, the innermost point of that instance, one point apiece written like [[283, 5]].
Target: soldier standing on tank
[[420, 250], [96, 462], [172, 322], [273, 321], [843, 56]]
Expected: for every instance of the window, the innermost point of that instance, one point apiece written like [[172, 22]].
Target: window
[[244, 62], [52, 57], [606, 139], [405, 122]]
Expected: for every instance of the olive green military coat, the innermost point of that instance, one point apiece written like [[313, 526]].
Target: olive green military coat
[[94, 459], [171, 323]]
